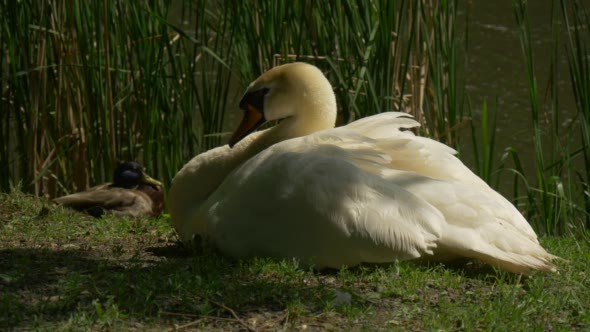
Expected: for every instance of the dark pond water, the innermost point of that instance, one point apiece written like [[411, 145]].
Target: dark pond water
[[496, 70]]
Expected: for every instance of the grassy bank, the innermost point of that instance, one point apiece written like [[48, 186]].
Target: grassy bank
[[62, 270]]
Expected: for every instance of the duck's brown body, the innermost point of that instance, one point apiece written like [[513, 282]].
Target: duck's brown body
[[142, 197]]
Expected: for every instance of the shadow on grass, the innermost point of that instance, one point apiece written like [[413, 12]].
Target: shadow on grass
[[56, 285], [167, 285]]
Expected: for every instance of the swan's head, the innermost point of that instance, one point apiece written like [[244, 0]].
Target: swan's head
[[297, 90]]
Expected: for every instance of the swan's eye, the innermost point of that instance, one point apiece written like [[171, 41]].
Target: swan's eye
[[260, 94], [254, 98]]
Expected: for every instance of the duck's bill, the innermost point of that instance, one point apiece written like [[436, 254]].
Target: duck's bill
[[149, 180], [253, 118]]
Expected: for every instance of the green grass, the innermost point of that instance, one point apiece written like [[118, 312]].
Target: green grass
[[66, 271]]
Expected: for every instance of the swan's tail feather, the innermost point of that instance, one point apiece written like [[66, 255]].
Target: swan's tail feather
[[520, 263]]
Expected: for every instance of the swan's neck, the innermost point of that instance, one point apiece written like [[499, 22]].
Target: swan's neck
[[199, 178], [320, 117]]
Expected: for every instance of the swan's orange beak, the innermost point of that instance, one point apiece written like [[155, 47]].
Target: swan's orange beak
[[252, 119], [252, 104]]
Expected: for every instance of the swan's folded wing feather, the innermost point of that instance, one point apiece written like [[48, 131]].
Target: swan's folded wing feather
[[383, 125], [489, 232], [409, 152], [424, 160], [429, 158]]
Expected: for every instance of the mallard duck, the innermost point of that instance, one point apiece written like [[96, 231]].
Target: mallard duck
[[368, 192], [132, 193]]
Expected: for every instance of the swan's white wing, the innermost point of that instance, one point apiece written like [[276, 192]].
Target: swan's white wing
[[426, 157], [480, 223], [315, 200]]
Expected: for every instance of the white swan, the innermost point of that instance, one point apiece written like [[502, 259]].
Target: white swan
[[369, 191]]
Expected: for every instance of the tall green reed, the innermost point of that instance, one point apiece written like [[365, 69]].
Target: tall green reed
[[577, 24], [521, 15], [552, 203], [443, 110], [484, 143]]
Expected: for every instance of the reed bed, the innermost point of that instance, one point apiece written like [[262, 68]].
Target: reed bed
[[555, 198], [84, 84], [577, 24]]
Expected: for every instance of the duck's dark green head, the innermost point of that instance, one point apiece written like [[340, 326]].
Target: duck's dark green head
[[130, 174]]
